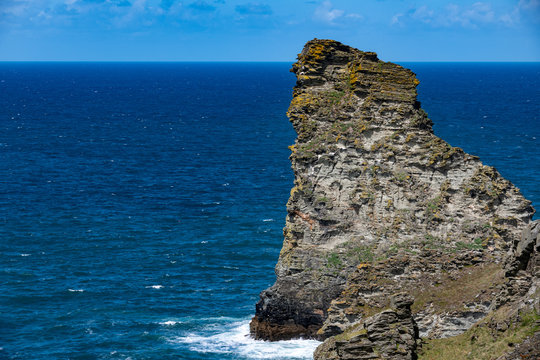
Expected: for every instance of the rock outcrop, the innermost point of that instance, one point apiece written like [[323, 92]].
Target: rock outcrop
[[382, 205], [391, 334], [521, 295], [511, 329]]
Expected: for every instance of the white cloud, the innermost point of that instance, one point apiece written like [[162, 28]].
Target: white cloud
[[396, 19], [14, 8], [529, 4], [133, 13], [471, 16], [354, 16], [476, 14], [510, 19], [423, 13], [326, 13], [45, 15]]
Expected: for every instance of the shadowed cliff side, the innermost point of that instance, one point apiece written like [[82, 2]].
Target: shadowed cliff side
[[381, 205]]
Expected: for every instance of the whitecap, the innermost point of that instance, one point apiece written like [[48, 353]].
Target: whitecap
[[154, 286], [25, 254], [170, 323], [266, 220], [75, 290], [233, 338]]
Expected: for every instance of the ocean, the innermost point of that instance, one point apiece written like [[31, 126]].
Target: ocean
[[142, 204]]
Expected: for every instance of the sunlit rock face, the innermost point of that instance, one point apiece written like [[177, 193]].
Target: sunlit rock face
[[381, 205]]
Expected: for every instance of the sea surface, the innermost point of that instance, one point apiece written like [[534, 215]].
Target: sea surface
[[142, 204]]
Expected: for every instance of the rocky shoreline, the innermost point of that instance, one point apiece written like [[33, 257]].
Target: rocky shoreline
[[381, 206]]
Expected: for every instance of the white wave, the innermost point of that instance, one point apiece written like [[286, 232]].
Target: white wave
[[234, 339], [170, 323], [25, 254], [267, 220], [154, 286], [75, 290]]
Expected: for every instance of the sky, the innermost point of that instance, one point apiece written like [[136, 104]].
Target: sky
[[266, 30]]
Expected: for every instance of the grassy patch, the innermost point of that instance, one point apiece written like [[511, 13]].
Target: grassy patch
[[335, 96], [450, 295], [480, 342], [333, 261], [475, 245], [433, 208]]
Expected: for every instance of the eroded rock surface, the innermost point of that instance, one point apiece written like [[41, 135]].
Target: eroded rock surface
[[390, 334], [380, 204], [511, 328]]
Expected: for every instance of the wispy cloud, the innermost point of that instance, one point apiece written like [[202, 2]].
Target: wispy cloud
[[354, 16], [477, 13], [470, 16], [529, 9], [107, 14], [423, 13], [529, 4], [326, 13]]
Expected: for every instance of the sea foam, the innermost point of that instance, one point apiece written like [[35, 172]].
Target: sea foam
[[233, 338]]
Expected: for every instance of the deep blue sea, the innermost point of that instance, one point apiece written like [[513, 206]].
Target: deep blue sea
[[142, 204]]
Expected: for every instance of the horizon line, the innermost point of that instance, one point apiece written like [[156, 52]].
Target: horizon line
[[253, 61]]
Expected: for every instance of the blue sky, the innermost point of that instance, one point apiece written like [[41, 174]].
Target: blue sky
[[243, 30]]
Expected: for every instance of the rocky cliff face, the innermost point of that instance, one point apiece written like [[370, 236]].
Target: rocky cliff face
[[381, 205], [390, 334], [511, 329]]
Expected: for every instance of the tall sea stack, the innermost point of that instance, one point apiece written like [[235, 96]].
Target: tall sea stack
[[382, 206]]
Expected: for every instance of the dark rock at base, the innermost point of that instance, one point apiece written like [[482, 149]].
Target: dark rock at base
[[280, 317], [266, 330]]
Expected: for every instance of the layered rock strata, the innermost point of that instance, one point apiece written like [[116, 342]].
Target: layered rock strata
[[380, 204], [391, 334]]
